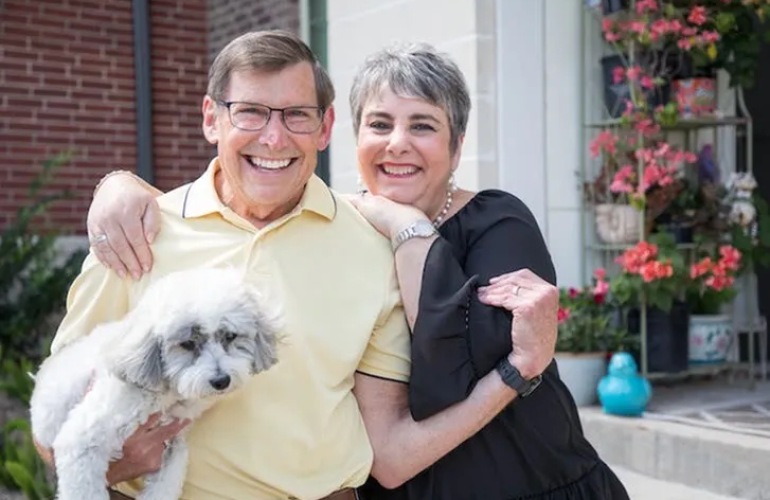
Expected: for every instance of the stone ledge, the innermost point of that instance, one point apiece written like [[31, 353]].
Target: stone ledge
[[719, 461]]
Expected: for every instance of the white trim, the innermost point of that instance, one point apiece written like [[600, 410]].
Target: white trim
[[304, 20], [521, 103]]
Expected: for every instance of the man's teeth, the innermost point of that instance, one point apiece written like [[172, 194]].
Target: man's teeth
[[391, 170], [269, 164]]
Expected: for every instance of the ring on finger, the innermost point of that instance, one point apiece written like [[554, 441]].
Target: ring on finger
[[98, 238]]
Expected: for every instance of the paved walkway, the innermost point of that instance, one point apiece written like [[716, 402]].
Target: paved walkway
[[645, 488]]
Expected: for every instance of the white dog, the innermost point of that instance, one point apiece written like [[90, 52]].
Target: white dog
[[193, 336]]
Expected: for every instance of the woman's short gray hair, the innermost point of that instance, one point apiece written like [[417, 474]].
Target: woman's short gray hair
[[415, 70]]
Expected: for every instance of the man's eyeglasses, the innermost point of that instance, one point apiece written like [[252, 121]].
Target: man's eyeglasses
[[251, 116]]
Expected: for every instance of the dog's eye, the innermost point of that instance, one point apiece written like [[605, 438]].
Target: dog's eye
[[187, 345], [230, 336]]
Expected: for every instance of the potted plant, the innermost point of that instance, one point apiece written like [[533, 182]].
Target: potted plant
[[653, 275], [711, 286], [739, 24], [619, 192], [587, 333], [659, 39]]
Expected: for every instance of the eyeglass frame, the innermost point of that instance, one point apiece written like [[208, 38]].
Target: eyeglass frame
[[320, 109]]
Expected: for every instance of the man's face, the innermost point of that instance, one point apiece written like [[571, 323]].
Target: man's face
[[264, 172]]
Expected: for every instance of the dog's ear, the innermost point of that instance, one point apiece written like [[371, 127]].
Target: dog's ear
[[138, 358], [265, 337], [266, 325]]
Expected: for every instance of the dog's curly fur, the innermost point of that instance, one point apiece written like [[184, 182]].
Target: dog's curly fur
[[193, 336]]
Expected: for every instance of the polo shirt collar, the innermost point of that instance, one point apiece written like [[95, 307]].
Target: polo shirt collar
[[202, 198]]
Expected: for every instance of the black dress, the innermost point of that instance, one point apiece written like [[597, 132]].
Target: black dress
[[535, 448]]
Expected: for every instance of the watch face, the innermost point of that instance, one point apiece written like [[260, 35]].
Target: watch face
[[424, 228], [533, 383]]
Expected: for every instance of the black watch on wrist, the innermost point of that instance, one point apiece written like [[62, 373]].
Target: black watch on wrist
[[513, 379]]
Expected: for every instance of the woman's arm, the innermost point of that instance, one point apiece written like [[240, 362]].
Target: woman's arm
[[123, 220], [458, 338]]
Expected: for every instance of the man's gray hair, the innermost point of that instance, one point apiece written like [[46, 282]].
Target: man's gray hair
[[415, 70], [271, 50]]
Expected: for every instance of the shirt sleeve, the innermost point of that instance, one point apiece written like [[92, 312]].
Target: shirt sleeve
[[388, 353], [457, 339], [96, 296]]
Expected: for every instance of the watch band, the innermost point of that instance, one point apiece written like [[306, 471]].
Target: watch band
[[513, 379], [417, 229]]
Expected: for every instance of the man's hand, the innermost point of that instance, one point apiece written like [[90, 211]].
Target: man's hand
[[143, 450], [534, 303], [123, 220]]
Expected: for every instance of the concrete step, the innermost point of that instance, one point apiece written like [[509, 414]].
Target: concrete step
[[727, 463], [641, 487]]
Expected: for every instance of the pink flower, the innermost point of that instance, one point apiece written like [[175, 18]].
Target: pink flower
[[562, 315], [618, 74], [697, 15], [643, 6], [600, 273]]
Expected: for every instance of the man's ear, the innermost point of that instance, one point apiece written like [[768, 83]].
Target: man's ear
[[210, 125], [326, 129]]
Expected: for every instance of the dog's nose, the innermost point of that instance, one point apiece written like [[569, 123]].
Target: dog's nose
[[220, 382]]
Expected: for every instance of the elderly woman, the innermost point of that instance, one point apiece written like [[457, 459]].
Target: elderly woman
[[410, 109]]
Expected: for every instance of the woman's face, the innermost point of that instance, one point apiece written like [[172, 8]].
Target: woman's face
[[403, 151]]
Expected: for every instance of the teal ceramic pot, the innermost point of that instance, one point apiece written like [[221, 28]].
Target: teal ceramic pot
[[623, 391]]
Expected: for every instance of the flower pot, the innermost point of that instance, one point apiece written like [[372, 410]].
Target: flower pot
[[667, 337], [710, 338], [682, 233], [617, 224], [581, 373], [695, 97], [612, 6]]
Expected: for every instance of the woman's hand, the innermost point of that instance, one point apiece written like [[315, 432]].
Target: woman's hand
[[143, 450], [123, 220], [534, 303], [387, 216]]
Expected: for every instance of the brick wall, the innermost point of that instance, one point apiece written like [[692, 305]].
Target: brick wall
[[179, 76], [67, 74], [230, 18], [67, 80]]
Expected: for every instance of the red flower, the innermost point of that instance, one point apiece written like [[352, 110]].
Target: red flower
[[562, 315]]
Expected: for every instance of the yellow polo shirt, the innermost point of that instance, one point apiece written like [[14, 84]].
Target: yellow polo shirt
[[294, 431]]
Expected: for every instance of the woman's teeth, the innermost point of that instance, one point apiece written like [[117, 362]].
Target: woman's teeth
[[269, 164], [391, 170]]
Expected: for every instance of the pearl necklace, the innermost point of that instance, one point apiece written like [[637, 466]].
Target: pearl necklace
[[440, 217]]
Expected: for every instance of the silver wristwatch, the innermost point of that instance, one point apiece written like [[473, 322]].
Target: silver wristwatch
[[418, 229]]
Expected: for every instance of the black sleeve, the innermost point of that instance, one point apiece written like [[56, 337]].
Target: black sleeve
[[458, 340]]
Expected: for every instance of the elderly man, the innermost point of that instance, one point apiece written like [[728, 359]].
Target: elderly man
[[305, 428]]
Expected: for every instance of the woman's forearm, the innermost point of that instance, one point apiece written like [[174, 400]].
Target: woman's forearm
[[410, 264]]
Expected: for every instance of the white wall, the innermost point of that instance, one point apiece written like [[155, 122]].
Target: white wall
[[462, 28], [539, 112], [522, 60]]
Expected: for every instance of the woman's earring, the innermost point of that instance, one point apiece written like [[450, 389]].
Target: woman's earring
[[452, 183]]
